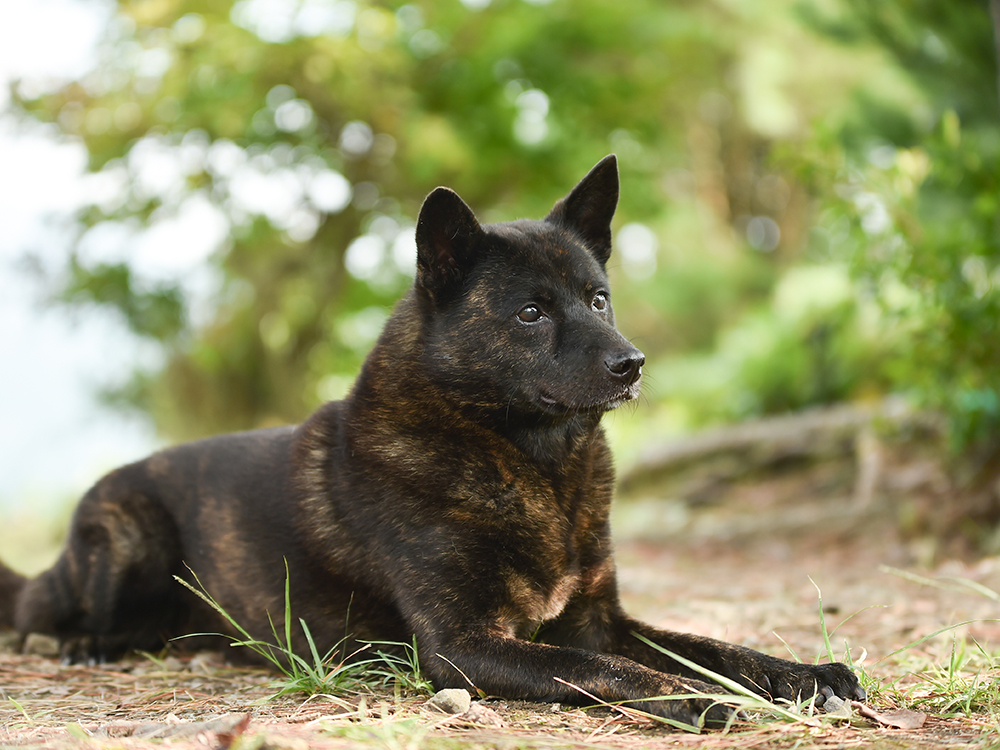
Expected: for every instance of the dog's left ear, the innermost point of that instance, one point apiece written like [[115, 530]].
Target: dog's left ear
[[447, 235], [590, 206]]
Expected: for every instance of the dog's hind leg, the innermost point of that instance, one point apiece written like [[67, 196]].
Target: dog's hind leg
[[111, 589]]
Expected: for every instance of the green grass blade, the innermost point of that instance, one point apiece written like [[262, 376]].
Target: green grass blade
[[795, 656], [932, 635], [288, 608], [20, 708], [318, 663], [730, 684], [822, 623]]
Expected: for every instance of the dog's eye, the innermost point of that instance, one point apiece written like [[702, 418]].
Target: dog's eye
[[530, 314], [600, 302]]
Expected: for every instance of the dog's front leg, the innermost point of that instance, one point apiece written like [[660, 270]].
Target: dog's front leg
[[766, 675], [501, 665]]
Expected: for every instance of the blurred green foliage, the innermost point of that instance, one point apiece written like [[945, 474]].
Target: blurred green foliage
[[817, 341], [920, 194], [809, 205]]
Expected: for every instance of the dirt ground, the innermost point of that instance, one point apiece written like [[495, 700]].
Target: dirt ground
[[745, 570]]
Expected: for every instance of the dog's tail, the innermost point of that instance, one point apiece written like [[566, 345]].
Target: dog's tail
[[11, 584]]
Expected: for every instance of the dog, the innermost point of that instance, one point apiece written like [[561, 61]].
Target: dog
[[458, 496]]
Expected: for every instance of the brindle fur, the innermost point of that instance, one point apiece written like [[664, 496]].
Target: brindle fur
[[459, 494]]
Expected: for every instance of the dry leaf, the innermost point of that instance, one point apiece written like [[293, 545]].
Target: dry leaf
[[225, 738], [901, 718], [231, 725]]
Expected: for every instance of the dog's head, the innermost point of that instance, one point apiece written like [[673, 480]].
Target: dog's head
[[517, 316]]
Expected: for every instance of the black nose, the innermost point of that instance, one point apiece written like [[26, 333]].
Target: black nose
[[626, 365]]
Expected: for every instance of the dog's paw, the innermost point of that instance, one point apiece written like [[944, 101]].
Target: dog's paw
[[91, 650], [80, 650], [710, 711], [796, 682]]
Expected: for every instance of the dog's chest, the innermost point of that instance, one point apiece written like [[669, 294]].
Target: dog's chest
[[555, 602], [531, 602]]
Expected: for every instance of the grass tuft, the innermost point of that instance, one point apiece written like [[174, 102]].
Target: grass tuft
[[331, 673]]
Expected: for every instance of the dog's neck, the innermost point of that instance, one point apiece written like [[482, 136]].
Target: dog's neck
[[554, 444]]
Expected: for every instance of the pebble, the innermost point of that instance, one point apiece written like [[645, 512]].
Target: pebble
[[837, 707], [483, 715], [172, 664], [41, 645], [451, 700], [832, 704], [205, 661]]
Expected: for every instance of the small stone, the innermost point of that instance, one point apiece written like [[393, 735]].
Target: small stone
[[833, 703], [482, 715], [837, 708], [167, 664], [10, 642], [451, 701], [41, 645], [205, 661]]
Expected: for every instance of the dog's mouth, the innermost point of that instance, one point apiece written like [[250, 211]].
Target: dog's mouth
[[584, 402], [629, 393]]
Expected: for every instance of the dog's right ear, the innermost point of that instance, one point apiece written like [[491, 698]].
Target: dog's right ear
[[447, 231]]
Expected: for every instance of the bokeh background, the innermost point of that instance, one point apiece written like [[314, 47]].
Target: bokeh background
[[209, 207]]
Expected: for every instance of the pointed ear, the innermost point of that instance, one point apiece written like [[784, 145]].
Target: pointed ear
[[590, 206], [447, 231]]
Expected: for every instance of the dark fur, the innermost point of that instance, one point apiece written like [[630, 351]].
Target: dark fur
[[459, 494]]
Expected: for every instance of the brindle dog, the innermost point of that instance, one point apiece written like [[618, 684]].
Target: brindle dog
[[458, 495]]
